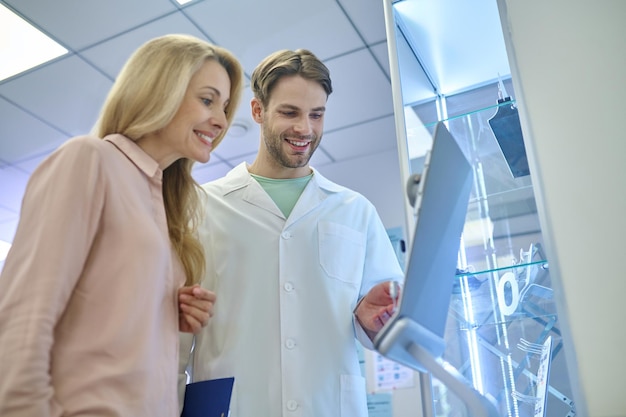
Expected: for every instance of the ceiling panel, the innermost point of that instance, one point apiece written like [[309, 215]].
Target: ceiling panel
[[381, 53], [67, 94], [357, 99], [28, 165], [368, 16], [254, 31], [212, 170], [7, 216], [77, 24], [23, 135], [13, 183], [321, 157], [111, 55], [362, 139]]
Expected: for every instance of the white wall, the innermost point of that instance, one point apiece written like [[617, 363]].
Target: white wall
[[377, 178], [568, 61]]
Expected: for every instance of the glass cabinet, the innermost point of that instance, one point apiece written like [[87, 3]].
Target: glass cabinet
[[502, 332]]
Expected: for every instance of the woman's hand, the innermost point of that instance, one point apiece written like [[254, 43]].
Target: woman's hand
[[195, 305]]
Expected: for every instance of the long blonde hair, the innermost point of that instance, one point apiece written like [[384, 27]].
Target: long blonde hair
[[144, 98]]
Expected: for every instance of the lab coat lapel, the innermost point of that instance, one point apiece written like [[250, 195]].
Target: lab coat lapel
[[239, 179], [256, 195], [311, 197]]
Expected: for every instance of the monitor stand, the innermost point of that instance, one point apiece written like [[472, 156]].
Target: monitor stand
[[477, 404]]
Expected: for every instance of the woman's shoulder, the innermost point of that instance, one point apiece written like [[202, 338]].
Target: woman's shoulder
[[83, 142], [88, 147], [79, 152]]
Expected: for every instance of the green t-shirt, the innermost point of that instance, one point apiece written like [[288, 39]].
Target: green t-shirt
[[284, 192]]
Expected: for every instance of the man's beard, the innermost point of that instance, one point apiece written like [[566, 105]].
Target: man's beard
[[274, 144]]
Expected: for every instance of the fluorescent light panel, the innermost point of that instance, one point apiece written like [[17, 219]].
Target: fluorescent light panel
[[181, 2], [22, 46]]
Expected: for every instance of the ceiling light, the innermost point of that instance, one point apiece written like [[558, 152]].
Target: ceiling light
[[181, 2], [4, 250], [22, 46]]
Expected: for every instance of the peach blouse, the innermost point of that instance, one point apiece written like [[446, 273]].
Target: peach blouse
[[88, 294]]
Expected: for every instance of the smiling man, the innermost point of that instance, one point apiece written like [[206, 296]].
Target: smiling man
[[300, 265]]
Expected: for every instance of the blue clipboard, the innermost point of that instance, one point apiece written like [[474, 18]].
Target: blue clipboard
[[208, 398]]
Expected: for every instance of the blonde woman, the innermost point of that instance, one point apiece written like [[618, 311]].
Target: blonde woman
[[105, 263]]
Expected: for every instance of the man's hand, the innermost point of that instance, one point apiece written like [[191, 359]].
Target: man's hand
[[377, 307], [195, 306]]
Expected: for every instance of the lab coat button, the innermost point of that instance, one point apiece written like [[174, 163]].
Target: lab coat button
[[286, 235], [288, 286], [290, 343], [292, 405]]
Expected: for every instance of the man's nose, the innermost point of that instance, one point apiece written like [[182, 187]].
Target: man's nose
[[303, 126]]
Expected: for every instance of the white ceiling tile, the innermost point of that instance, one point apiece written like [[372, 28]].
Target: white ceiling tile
[[6, 216], [12, 185], [22, 135], [361, 91], [362, 139], [208, 172], [381, 52], [260, 28], [234, 147], [67, 94], [369, 18], [111, 55], [78, 24], [214, 170], [320, 157], [249, 158], [29, 165]]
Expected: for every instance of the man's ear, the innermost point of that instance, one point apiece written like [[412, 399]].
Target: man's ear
[[257, 110]]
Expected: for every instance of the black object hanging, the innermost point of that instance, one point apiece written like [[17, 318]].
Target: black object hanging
[[507, 129]]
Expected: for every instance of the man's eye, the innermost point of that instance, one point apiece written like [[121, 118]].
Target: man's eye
[[289, 113], [316, 116]]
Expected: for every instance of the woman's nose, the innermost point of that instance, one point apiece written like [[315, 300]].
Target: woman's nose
[[219, 119]]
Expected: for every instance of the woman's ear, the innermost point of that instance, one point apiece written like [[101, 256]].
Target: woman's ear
[[257, 110]]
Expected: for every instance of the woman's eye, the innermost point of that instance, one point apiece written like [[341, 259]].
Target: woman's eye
[[207, 101]]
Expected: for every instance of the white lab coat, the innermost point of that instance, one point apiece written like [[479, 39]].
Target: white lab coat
[[283, 321]]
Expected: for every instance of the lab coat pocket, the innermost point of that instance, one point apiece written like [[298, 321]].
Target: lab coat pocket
[[353, 396], [341, 251]]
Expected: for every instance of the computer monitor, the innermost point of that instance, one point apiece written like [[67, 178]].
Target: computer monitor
[[441, 207]]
